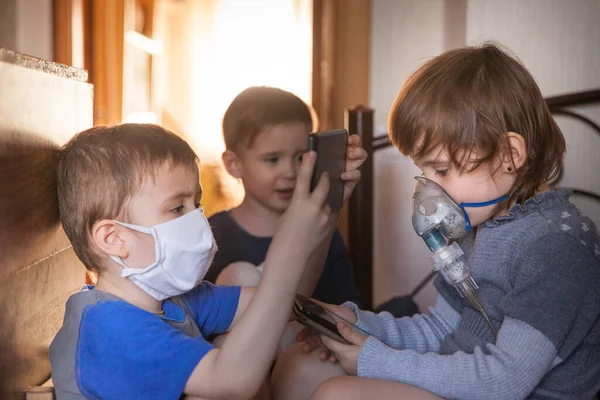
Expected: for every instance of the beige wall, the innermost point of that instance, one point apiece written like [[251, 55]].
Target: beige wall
[[8, 24], [39, 269], [559, 42], [404, 34], [26, 27]]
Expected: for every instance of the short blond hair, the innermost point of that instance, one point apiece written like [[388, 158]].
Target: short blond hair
[[259, 107], [102, 168]]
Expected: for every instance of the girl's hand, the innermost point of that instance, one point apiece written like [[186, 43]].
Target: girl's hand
[[312, 338], [347, 355], [355, 157]]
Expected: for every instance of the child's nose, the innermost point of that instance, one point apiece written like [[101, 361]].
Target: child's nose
[[290, 170]]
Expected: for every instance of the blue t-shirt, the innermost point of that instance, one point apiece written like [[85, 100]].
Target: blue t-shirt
[[336, 283], [110, 349]]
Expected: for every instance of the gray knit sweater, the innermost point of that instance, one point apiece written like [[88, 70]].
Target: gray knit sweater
[[538, 271]]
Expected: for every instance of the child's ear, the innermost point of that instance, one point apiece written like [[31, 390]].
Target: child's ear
[[516, 154], [107, 236], [232, 164]]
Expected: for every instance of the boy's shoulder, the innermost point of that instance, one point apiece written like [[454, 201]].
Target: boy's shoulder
[[223, 225], [221, 217], [231, 237], [87, 298], [104, 311], [95, 309], [107, 344]]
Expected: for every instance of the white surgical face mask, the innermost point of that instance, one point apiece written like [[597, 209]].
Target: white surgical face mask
[[184, 249]]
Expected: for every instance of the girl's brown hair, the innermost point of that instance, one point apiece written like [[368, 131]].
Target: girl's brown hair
[[465, 101]]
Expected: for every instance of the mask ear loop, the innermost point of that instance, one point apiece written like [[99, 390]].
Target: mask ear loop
[[142, 229], [139, 228], [480, 204]]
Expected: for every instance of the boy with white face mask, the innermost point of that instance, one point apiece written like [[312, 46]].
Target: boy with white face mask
[[129, 200]]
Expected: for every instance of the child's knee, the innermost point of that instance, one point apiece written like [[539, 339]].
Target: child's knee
[[239, 273], [291, 363], [289, 335], [339, 387], [292, 366], [297, 374]]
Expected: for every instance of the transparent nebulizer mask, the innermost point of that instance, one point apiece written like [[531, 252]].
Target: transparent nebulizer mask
[[436, 217]]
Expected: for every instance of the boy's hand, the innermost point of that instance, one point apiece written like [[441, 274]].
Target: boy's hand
[[355, 157], [312, 341], [305, 223], [347, 355]]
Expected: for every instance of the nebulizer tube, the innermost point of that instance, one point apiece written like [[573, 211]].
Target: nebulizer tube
[[449, 261], [436, 217]]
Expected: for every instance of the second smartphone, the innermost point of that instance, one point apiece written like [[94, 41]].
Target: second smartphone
[[331, 158]]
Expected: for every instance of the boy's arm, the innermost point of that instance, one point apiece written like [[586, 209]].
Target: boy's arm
[[316, 263], [240, 365], [355, 157], [238, 368], [246, 295]]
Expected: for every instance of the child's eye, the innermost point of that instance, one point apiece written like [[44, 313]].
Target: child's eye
[[177, 210], [299, 159], [271, 160], [441, 172]]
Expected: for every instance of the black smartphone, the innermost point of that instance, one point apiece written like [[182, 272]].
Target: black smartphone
[[331, 158], [313, 315]]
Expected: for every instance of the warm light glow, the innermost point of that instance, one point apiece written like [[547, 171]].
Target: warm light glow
[[142, 118], [247, 43], [142, 42]]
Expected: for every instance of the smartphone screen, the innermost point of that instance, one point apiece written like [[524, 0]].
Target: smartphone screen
[[331, 158]]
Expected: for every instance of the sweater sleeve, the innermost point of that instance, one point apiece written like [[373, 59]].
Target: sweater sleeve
[[510, 370], [421, 332], [552, 305]]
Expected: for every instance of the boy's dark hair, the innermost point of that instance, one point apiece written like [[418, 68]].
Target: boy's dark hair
[[465, 100], [101, 169], [257, 108]]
